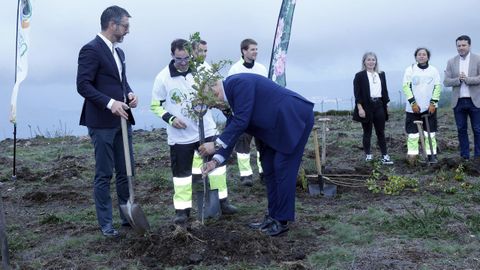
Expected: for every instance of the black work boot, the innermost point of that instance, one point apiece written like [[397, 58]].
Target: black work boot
[[227, 208], [432, 159], [181, 216], [246, 181]]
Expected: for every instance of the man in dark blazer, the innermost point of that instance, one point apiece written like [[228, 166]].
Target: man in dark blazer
[[282, 121], [101, 80]]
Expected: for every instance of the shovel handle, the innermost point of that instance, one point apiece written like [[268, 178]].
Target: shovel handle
[[128, 162], [324, 137], [318, 164], [427, 125], [422, 138]]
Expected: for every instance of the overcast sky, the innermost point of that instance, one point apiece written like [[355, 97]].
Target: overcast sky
[[327, 42]]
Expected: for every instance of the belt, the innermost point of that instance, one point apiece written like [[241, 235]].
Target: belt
[[376, 99]]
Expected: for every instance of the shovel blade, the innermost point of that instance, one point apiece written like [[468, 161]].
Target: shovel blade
[[135, 217], [314, 189], [211, 209], [317, 186], [329, 190]]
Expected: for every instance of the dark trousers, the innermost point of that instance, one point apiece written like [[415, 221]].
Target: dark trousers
[[464, 109], [378, 121], [243, 143], [280, 172], [411, 127], [181, 157], [109, 155]]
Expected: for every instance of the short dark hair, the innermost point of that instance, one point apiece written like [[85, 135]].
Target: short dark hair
[[464, 37], [178, 44], [246, 43], [196, 43], [422, 48], [113, 13]]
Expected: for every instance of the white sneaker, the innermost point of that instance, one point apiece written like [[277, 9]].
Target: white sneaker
[[368, 157], [386, 160]]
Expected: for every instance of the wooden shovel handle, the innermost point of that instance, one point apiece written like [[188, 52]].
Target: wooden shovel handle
[[318, 164], [128, 162]]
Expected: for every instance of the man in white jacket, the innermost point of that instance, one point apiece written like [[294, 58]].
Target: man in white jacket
[[171, 86], [247, 64]]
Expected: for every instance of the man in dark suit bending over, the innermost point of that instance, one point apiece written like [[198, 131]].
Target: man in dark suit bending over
[[282, 121]]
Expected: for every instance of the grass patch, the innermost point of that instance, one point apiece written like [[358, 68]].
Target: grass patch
[[451, 249], [86, 216], [51, 219], [423, 223], [160, 178], [344, 233], [473, 223], [372, 217], [333, 258], [20, 238]]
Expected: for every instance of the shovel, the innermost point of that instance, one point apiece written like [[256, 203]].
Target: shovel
[[132, 211], [427, 125], [328, 190], [208, 202], [422, 139]]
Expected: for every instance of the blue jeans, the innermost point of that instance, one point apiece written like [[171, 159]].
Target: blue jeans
[[462, 111], [109, 155]]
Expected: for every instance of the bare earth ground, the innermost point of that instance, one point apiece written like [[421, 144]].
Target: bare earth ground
[[52, 224]]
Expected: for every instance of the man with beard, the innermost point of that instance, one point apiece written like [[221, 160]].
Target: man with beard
[[102, 81]]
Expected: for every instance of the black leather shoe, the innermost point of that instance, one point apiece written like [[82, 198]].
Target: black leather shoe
[[261, 225], [246, 181], [227, 208], [276, 228]]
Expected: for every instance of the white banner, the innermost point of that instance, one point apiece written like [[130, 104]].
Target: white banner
[[23, 29]]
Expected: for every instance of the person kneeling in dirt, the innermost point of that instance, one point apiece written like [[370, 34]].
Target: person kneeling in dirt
[[421, 85], [173, 82], [282, 121]]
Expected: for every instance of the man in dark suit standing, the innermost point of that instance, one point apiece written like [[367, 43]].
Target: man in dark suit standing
[[101, 80], [282, 121]]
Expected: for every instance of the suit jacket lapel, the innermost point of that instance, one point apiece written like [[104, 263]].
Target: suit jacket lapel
[[471, 66], [456, 66], [108, 53], [122, 61]]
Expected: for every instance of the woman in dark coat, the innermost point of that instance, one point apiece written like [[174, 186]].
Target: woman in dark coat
[[371, 99]]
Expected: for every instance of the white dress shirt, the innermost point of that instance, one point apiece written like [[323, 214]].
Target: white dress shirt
[[464, 64]]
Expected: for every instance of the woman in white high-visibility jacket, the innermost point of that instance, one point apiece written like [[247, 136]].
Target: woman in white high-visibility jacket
[[421, 85]]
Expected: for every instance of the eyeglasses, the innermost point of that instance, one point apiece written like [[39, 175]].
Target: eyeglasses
[[126, 26], [181, 60]]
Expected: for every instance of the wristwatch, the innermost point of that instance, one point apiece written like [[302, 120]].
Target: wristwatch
[[216, 145]]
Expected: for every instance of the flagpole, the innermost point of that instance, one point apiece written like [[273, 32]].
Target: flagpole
[[14, 170]]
